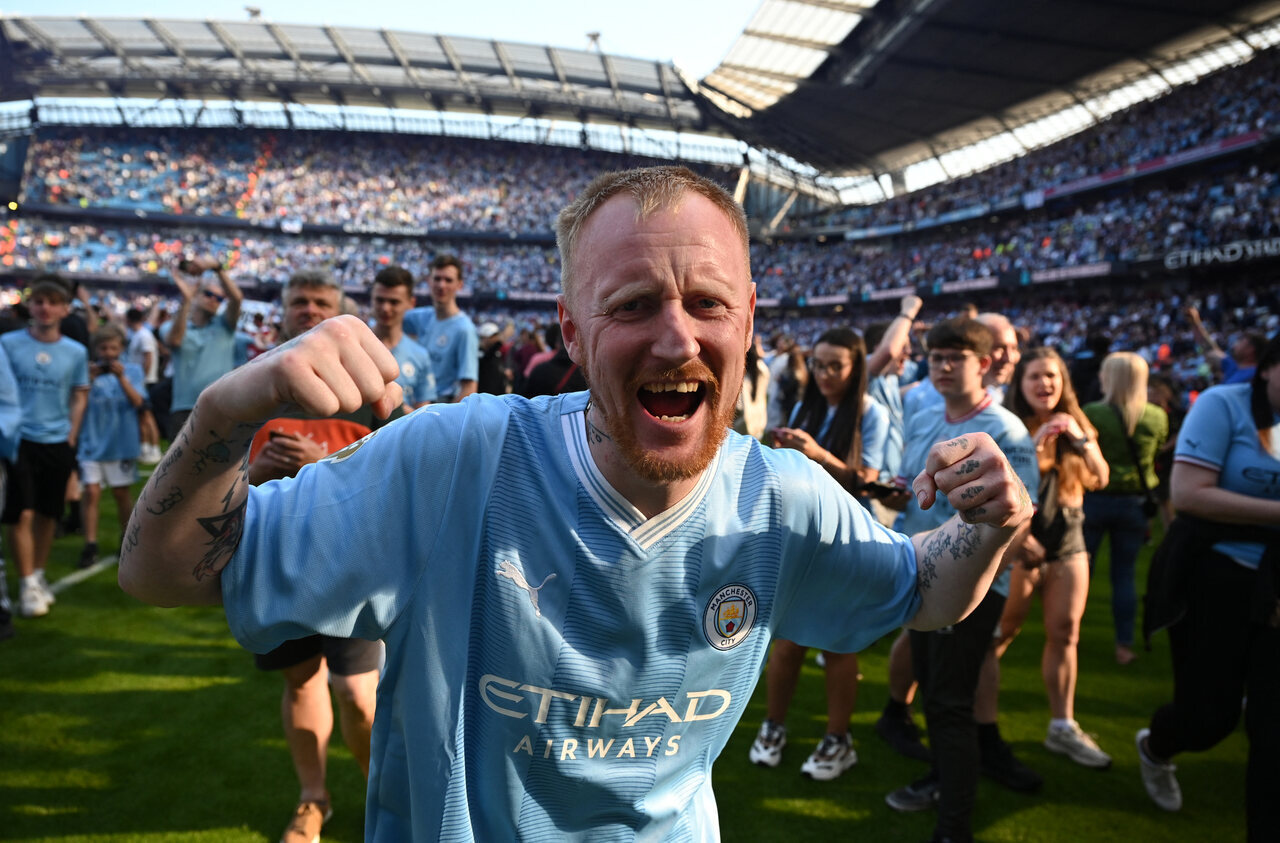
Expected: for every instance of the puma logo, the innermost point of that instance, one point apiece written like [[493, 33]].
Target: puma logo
[[511, 572]]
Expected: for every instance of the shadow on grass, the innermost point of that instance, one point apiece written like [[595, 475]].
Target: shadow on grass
[[130, 721]]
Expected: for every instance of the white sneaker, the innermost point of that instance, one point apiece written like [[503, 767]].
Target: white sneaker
[[1158, 779], [49, 596], [32, 603], [766, 749], [833, 756], [1071, 741], [149, 454]]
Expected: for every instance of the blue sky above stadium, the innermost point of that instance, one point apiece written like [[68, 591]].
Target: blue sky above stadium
[[694, 35]]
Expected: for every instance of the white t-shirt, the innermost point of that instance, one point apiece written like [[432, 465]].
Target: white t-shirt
[[141, 342]]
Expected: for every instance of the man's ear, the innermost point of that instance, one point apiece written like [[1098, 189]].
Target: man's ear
[[984, 364], [751, 318], [568, 329]]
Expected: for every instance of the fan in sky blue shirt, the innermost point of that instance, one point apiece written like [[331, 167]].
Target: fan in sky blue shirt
[[46, 374], [453, 344], [559, 666], [925, 428], [417, 378], [1219, 434], [207, 353], [110, 428]]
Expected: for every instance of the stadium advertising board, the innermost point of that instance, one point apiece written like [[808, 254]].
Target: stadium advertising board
[[1070, 273], [1239, 251], [894, 293], [966, 285]]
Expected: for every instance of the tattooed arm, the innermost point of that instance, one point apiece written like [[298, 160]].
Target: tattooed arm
[[190, 517], [957, 562]]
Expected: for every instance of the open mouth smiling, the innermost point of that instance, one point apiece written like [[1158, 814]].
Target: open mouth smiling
[[671, 402]]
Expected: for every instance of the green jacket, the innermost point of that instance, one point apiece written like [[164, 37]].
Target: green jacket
[[1152, 430]]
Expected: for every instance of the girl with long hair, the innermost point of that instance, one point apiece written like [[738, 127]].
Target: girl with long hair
[[1053, 557], [1128, 425], [827, 426]]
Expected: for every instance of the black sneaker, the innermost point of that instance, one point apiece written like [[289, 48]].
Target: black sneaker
[[903, 735], [920, 795], [6, 625], [70, 523], [1000, 765], [88, 556]]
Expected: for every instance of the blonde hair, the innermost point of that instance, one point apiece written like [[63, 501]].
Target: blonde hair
[[1124, 384], [652, 188]]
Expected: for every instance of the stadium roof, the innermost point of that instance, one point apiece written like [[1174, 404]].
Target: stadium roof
[[910, 80], [328, 65], [847, 86]]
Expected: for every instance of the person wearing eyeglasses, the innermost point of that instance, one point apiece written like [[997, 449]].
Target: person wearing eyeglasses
[[948, 662], [202, 334], [840, 429]]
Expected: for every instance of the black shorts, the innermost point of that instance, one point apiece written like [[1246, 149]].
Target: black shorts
[[38, 480], [346, 656]]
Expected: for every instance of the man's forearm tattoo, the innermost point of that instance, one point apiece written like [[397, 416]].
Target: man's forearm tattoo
[[131, 539], [226, 530], [960, 543], [218, 451], [166, 503], [174, 454]]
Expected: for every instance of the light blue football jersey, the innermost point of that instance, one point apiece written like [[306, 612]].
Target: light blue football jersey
[[46, 373], [416, 378], [559, 667], [925, 429], [453, 344], [110, 428], [1218, 433]]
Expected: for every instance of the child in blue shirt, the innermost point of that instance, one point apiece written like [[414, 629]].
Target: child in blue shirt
[[109, 438]]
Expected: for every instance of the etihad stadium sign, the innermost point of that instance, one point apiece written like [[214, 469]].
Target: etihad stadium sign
[[1239, 251]]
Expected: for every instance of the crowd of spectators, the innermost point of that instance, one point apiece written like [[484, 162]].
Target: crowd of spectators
[[1153, 323], [385, 181], [1217, 207], [373, 182], [1231, 102], [262, 258], [361, 180]]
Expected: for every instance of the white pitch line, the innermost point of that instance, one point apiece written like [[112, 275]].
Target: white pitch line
[[83, 574]]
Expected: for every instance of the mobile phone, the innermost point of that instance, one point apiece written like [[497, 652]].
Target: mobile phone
[[876, 489], [189, 266]]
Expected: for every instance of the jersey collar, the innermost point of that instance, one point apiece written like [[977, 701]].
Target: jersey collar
[[645, 532]]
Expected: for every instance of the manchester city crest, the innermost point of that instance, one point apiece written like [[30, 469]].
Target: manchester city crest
[[729, 616]]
